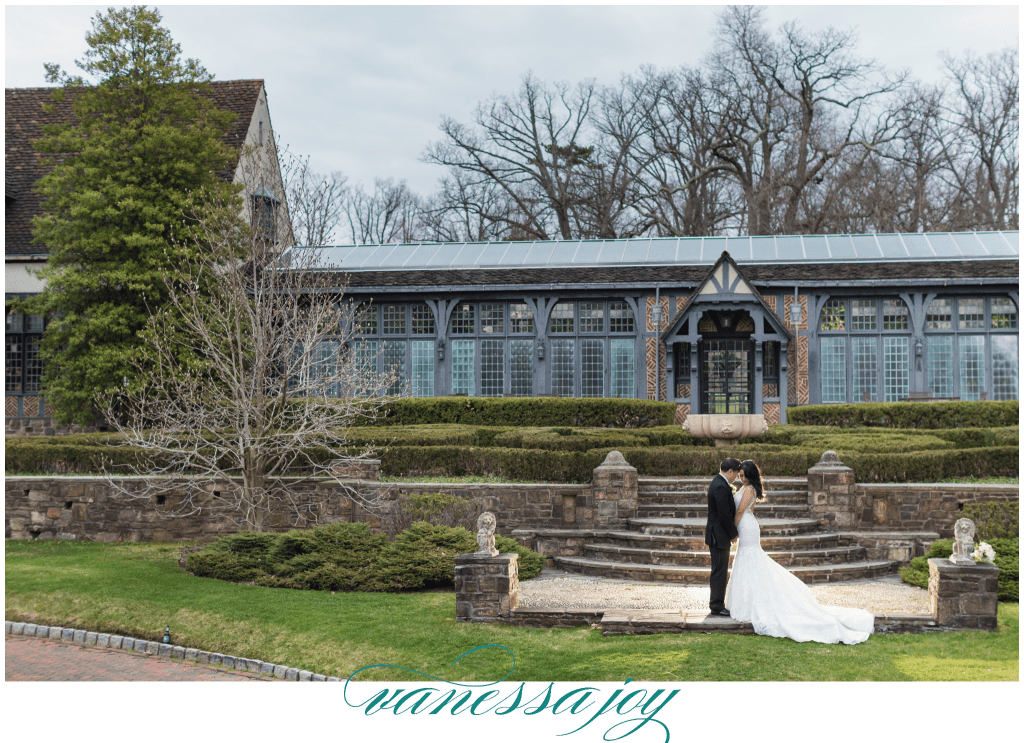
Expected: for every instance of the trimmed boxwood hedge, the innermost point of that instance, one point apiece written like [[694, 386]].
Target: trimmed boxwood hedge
[[980, 414], [528, 411], [998, 519], [348, 557]]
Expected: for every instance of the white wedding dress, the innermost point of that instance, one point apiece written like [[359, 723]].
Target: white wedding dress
[[779, 604]]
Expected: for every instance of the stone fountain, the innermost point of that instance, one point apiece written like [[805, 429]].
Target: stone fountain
[[725, 429]]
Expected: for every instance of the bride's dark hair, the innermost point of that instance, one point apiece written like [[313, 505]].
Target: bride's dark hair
[[753, 475]]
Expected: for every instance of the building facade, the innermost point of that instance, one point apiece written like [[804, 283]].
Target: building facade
[[738, 325]]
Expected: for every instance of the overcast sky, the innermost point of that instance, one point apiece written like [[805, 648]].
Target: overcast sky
[[362, 89]]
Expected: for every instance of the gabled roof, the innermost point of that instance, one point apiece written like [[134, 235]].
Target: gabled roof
[[24, 119], [725, 279]]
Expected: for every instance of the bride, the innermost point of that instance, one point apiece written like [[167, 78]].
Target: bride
[[771, 598]]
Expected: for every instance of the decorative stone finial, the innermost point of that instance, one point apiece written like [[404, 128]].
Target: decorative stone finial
[[830, 459], [485, 536], [614, 459], [963, 546]]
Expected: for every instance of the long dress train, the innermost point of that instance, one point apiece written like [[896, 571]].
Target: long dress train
[[779, 604]]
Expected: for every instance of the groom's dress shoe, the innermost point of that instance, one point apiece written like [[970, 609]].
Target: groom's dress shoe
[[722, 613]]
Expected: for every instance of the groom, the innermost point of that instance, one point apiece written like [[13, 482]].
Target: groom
[[721, 531]]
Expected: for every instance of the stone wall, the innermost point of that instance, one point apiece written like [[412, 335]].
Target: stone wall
[[931, 507]]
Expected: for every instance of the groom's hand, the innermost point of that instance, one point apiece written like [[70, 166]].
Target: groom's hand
[[734, 540]]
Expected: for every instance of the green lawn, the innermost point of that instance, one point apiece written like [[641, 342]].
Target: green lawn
[[137, 589]]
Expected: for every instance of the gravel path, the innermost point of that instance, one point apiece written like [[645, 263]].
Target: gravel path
[[559, 590]]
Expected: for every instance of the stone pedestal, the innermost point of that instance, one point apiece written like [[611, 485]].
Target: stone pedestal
[[831, 492], [614, 490], [963, 596], [486, 588]]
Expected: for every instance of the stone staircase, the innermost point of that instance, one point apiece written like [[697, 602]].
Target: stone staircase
[[664, 542]]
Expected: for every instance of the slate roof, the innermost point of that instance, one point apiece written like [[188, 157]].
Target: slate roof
[[693, 274], [23, 121]]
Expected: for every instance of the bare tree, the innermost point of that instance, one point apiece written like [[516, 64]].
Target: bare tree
[[533, 146], [253, 371], [390, 214], [316, 202]]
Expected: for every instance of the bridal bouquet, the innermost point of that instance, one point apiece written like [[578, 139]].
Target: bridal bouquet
[[984, 553]]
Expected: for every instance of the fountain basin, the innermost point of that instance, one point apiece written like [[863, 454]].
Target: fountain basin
[[725, 429]]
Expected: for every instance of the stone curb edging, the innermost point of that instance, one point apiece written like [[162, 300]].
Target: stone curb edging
[[161, 649]]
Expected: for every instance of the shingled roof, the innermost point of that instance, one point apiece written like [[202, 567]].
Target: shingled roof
[[24, 119]]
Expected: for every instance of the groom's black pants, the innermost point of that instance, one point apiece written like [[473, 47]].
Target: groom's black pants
[[719, 577]]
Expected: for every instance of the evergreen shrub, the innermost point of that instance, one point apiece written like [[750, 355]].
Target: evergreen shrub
[[979, 414], [998, 519], [1007, 560]]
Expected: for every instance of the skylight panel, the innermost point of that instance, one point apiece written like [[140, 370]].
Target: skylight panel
[[918, 246], [969, 244], [866, 247], [663, 251], [563, 253], [1000, 243], [891, 246], [841, 247], [790, 247], [944, 246]]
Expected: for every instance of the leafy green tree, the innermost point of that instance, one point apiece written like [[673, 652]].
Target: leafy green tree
[[144, 135]]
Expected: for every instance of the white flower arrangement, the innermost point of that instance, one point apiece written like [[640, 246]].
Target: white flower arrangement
[[984, 553]]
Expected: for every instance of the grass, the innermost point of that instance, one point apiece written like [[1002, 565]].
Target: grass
[[137, 589]]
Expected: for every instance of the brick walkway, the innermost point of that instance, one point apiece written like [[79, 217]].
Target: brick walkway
[[31, 659]]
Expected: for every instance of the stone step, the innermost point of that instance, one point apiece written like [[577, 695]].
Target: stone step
[[702, 557], [810, 541], [779, 497], [690, 527], [701, 484], [836, 573], [700, 510]]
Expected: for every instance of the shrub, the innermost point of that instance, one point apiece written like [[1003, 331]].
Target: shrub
[[530, 563], [916, 574], [568, 439], [931, 466], [1007, 560], [439, 509], [994, 519], [422, 556], [529, 411], [981, 414]]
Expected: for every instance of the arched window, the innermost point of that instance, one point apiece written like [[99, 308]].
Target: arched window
[[864, 349], [971, 348], [592, 349]]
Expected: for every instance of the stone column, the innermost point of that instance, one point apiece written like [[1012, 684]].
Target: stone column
[[831, 492], [963, 595], [614, 491], [486, 588]]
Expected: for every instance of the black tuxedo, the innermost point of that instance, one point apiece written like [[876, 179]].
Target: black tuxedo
[[718, 536]]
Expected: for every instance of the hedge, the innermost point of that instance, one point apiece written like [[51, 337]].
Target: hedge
[[981, 414], [528, 411], [348, 557], [999, 519]]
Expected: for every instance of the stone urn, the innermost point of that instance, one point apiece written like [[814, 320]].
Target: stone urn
[[726, 430]]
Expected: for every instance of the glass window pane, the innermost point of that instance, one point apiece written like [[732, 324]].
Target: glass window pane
[[422, 368], [464, 319], [833, 315], [895, 315], [393, 358], [972, 366], [492, 318], [393, 319], [562, 318], [620, 318], [563, 356], [770, 349], [939, 315], [940, 365], [492, 366], [1004, 367], [323, 378], [863, 314], [591, 367], [13, 362], [33, 323], [865, 369], [520, 318], [623, 359], [971, 312], [521, 366], [33, 364], [833, 370], [366, 320], [422, 320], [365, 366], [14, 322], [1004, 314], [896, 360], [464, 367], [591, 317]]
